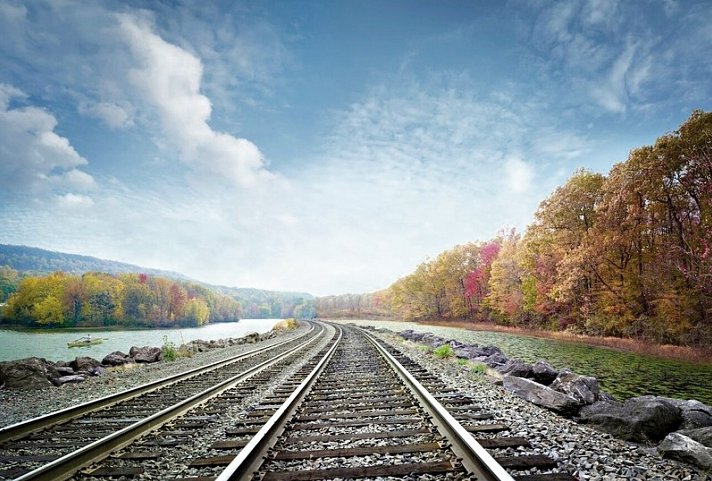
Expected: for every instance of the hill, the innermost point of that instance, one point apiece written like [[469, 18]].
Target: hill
[[33, 260], [256, 303]]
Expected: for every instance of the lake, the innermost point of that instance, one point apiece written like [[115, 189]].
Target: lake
[[52, 343], [622, 374]]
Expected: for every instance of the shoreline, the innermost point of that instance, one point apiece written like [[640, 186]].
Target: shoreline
[[662, 351]]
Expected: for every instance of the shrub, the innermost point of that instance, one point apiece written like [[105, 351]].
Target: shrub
[[445, 351], [286, 325], [169, 351]]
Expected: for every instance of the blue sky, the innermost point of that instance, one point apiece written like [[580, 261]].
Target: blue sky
[[322, 146]]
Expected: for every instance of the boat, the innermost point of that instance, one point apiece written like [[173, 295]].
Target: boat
[[85, 341]]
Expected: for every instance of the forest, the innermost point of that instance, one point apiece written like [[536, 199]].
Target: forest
[[100, 300], [19, 261], [627, 254]]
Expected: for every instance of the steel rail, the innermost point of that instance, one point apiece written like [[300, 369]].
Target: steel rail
[[474, 457], [66, 466], [251, 456], [23, 428]]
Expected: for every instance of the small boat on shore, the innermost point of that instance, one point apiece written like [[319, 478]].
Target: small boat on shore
[[85, 341]]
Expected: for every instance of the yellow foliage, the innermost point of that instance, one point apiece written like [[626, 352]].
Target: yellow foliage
[[286, 325]]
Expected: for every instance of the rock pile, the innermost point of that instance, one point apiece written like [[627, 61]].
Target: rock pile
[[683, 429], [38, 373]]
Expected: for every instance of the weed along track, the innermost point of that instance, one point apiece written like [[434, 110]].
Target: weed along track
[[59, 444], [347, 406]]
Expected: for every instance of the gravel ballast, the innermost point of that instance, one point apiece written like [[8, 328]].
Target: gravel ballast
[[18, 405], [580, 450]]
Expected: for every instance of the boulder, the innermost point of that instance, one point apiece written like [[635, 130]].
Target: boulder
[[68, 379], [515, 367], [540, 395], [543, 372], [116, 358], [145, 354], [263, 337], [490, 350], [65, 370], [433, 340], [694, 413], [494, 360], [641, 419], [411, 335], [583, 388], [701, 435], [84, 363], [30, 373], [681, 448], [251, 338], [467, 352], [97, 371]]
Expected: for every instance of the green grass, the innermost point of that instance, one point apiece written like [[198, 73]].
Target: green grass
[[475, 367], [169, 351], [444, 352]]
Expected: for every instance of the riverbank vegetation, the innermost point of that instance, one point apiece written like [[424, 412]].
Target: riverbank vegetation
[[128, 300], [626, 255]]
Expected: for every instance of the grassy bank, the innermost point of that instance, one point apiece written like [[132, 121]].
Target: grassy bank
[[665, 351]]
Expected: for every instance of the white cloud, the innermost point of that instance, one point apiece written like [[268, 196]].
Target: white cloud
[[169, 79], [519, 175], [34, 158], [113, 115], [74, 201]]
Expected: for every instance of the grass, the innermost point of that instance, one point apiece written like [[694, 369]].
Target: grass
[[169, 351], [639, 346], [472, 366], [444, 352]]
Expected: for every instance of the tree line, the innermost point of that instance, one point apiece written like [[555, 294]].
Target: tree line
[[627, 254], [98, 299]]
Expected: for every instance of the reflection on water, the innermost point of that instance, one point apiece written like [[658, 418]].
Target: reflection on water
[[52, 344], [619, 373]]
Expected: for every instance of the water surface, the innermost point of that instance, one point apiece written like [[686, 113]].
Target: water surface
[[52, 343], [622, 374]]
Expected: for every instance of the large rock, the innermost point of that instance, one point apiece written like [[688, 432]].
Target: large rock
[[515, 367], [493, 360], [116, 358], [84, 363], [680, 447], [542, 396], [469, 352], [641, 419], [583, 388], [251, 338], [65, 370], [68, 379], [30, 373], [145, 354], [694, 413], [543, 372], [701, 435]]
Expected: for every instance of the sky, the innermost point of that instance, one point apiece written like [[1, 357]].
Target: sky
[[320, 146]]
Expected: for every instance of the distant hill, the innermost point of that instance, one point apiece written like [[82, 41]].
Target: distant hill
[[256, 303], [40, 261]]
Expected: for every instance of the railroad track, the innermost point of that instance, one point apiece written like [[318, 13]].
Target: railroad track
[[357, 408], [71, 438], [361, 413]]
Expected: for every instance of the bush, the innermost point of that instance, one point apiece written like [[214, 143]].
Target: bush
[[445, 351], [286, 325]]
